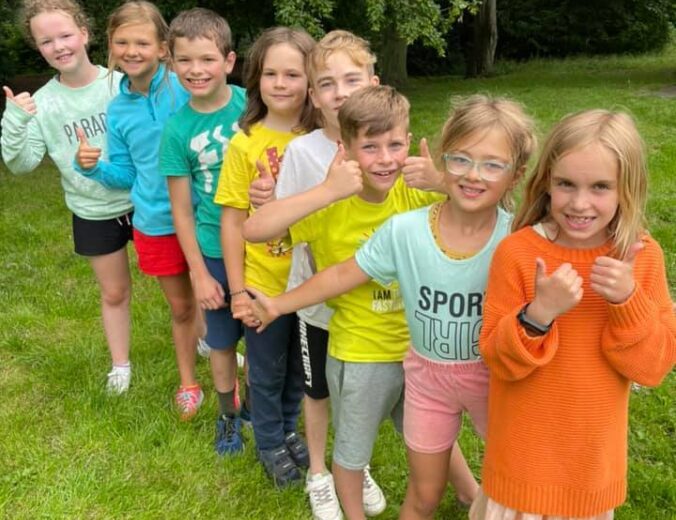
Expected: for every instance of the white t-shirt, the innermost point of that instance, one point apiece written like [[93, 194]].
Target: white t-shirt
[[306, 162]]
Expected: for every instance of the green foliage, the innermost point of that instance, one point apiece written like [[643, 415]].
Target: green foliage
[[426, 21], [530, 28]]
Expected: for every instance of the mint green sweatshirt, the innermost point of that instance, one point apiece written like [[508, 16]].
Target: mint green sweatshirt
[[60, 110]]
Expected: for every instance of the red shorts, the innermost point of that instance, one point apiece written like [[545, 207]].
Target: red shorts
[[160, 255]]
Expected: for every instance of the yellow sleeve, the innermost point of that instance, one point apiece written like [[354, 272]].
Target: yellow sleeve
[[237, 173]]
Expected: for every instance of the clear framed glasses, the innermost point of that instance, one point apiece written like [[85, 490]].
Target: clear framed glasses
[[460, 165]]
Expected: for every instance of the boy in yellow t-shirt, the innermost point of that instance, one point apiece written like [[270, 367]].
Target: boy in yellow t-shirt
[[368, 336]]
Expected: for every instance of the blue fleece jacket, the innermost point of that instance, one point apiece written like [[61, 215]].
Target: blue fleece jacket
[[135, 124]]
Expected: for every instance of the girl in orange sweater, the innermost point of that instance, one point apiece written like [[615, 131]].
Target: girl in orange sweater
[[577, 307]]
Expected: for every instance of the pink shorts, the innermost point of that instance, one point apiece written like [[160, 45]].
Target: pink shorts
[[159, 255], [436, 396]]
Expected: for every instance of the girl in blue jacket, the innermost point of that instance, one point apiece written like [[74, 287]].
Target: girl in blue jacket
[[149, 95]]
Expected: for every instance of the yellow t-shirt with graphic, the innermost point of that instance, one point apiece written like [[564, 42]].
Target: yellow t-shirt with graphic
[[266, 266], [368, 324]]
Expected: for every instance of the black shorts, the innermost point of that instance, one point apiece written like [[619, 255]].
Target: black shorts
[[313, 345], [101, 237]]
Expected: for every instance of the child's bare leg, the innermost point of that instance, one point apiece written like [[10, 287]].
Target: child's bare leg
[[224, 369], [461, 477], [349, 486], [427, 482], [316, 430], [112, 275], [178, 293]]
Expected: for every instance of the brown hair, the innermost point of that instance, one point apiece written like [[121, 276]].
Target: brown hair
[[617, 132], [480, 113], [374, 109], [201, 23], [255, 108], [32, 8], [356, 48], [135, 12]]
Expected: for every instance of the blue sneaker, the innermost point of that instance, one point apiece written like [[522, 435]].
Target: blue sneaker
[[228, 435]]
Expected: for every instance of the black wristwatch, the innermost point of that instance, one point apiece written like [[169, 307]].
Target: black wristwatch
[[530, 325]]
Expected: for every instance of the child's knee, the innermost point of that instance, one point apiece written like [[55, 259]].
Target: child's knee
[[116, 296], [183, 310]]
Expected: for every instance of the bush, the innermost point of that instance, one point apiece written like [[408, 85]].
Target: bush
[[529, 28]]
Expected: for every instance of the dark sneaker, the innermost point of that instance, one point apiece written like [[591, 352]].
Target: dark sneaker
[[297, 449], [245, 415], [228, 435], [280, 467]]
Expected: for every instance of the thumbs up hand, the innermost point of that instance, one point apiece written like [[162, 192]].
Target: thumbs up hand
[[420, 172], [344, 177], [555, 293], [86, 156], [262, 189], [23, 100], [613, 279]]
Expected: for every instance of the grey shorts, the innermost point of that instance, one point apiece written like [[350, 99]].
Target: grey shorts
[[362, 396]]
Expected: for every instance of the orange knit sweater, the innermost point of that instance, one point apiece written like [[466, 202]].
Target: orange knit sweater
[[557, 419]]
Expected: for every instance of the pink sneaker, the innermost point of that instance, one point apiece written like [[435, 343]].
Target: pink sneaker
[[188, 401]]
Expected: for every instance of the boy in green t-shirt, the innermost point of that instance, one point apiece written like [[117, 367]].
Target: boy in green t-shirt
[[194, 142], [368, 336]]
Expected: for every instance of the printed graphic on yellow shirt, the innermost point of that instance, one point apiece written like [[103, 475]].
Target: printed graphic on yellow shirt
[[278, 247]]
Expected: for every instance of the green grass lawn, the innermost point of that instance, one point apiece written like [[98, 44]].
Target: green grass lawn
[[69, 451]]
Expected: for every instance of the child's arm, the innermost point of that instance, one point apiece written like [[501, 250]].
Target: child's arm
[[208, 291], [118, 173], [274, 219], [23, 146], [232, 220], [329, 283], [510, 351], [639, 340]]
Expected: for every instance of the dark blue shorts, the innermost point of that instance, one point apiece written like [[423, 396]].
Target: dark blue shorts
[[223, 331], [101, 237]]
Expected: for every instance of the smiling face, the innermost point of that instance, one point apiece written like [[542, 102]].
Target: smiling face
[[203, 70], [335, 82], [470, 192], [60, 41], [137, 51], [380, 158], [584, 196], [283, 82]]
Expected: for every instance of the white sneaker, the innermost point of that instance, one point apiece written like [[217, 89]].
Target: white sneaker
[[373, 498], [118, 380], [323, 498], [203, 348], [240, 360]]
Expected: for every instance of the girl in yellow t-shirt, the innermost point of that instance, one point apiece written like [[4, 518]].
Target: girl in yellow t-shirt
[[278, 109]]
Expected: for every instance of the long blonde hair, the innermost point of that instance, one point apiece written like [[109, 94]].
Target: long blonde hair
[[479, 113], [616, 131]]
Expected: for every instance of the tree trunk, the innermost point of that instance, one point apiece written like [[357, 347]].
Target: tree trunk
[[481, 40], [392, 57]]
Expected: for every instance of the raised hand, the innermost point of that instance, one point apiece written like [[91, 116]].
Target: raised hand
[[420, 172], [87, 156], [613, 279], [262, 189], [555, 294], [23, 100], [344, 177]]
